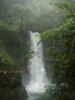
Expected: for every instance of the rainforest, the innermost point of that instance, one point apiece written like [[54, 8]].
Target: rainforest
[[37, 49]]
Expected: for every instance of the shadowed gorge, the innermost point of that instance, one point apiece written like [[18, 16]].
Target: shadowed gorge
[[37, 50]]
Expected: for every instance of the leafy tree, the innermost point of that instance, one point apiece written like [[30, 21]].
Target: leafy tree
[[64, 54]]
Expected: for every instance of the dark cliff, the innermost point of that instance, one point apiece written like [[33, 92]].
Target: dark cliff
[[11, 87]]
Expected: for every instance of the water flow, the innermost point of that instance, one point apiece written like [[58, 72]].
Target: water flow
[[38, 78]]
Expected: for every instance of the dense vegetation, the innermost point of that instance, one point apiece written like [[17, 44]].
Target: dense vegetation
[[13, 36], [62, 49]]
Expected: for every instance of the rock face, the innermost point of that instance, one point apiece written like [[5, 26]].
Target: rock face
[[11, 87]]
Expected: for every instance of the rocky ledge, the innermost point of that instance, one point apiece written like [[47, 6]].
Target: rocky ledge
[[11, 87]]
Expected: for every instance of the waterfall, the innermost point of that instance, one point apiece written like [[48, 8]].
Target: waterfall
[[38, 78]]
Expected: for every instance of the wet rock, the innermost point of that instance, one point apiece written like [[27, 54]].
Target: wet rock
[[11, 87]]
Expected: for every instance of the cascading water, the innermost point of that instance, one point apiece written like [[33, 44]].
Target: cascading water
[[38, 78]]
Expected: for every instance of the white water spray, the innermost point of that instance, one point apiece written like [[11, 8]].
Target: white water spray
[[38, 78]]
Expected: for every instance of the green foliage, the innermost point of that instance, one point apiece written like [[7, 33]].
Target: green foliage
[[64, 55], [5, 58], [9, 44], [65, 5], [11, 24]]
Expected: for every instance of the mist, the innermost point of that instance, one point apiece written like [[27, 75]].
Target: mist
[[38, 15]]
